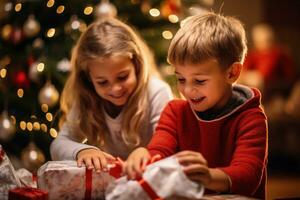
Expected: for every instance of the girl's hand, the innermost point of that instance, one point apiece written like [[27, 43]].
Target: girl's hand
[[195, 166], [136, 163], [93, 159]]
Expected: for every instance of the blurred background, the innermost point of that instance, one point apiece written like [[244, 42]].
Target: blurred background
[[36, 38]]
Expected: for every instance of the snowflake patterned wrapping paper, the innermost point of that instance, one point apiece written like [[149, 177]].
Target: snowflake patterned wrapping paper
[[165, 178], [64, 180]]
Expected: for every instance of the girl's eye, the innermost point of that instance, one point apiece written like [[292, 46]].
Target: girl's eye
[[102, 83], [180, 80], [201, 82], [122, 78]]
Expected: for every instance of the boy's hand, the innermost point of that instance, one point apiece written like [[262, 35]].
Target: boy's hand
[[93, 159], [136, 163], [194, 166]]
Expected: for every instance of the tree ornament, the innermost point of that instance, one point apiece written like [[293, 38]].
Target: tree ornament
[[32, 157], [105, 9], [48, 95], [31, 27], [7, 127], [16, 35], [64, 65], [21, 80]]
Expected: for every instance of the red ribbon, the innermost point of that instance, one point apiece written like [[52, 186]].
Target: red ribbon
[[115, 170], [27, 193], [88, 184], [149, 190]]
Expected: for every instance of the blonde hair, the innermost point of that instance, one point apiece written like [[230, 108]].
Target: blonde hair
[[106, 38], [209, 36]]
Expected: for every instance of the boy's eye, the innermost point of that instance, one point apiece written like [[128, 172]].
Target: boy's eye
[[123, 77], [200, 81]]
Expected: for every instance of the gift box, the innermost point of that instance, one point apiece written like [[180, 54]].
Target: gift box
[[64, 180], [27, 193], [163, 179]]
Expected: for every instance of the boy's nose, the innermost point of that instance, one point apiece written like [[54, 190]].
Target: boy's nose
[[189, 90]]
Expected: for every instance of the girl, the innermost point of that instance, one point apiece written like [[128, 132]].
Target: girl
[[112, 100]]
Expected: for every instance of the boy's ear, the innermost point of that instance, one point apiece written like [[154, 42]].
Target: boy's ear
[[233, 72]]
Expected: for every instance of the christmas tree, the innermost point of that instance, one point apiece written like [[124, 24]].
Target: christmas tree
[[36, 39]]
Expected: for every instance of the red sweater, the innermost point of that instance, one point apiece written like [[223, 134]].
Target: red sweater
[[235, 143]]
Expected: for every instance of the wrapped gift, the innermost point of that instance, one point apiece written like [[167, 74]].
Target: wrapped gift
[[8, 176], [163, 179], [64, 180], [27, 193]]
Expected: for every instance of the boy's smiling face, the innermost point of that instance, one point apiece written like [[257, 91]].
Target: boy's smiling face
[[205, 85]]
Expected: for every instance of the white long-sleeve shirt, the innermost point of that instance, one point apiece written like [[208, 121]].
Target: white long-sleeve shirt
[[67, 145]]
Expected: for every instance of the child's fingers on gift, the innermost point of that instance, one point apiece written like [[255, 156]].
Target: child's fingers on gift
[[196, 168], [88, 162], [97, 164], [186, 157]]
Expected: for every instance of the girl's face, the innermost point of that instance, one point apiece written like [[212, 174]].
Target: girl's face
[[114, 78], [204, 85]]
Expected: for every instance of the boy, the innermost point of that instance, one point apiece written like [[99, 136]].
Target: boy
[[219, 132]]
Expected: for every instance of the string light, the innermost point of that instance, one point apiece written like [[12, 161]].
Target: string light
[[167, 35], [3, 73], [88, 10], [173, 18], [36, 126], [60, 9], [53, 132], [44, 107], [51, 32], [50, 3], [154, 12], [23, 125], [18, 7], [20, 92], [44, 127], [49, 117], [29, 126], [40, 67]]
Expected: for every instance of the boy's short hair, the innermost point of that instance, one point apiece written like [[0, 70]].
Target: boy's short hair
[[209, 36]]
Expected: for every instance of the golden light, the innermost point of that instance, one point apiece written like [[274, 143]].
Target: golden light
[[23, 125], [60, 9], [20, 93], [6, 31], [53, 132], [18, 7], [173, 18], [3, 73], [49, 117], [44, 127], [82, 27], [167, 35], [29, 126], [50, 3], [36, 126], [88, 10], [154, 12], [40, 67], [44, 107], [51, 32]]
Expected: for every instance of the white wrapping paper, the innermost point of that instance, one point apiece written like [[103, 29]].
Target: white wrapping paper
[[165, 177], [10, 178], [64, 180]]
